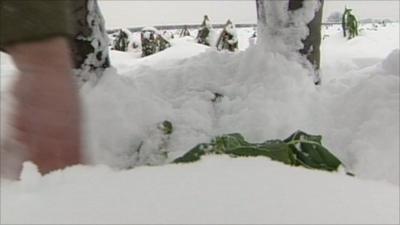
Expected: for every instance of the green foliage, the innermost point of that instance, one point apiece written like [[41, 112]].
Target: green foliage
[[300, 149]]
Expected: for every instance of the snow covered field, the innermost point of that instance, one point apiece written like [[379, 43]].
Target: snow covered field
[[266, 96]]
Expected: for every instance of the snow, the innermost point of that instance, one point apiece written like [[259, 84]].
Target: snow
[[266, 95], [391, 63], [218, 190], [183, 48], [284, 31], [151, 29], [207, 23]]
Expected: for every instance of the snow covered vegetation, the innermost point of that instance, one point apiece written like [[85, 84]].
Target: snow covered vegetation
[[262, 92]]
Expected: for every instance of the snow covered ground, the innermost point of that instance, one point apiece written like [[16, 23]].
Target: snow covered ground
[[266, 96], [219, 190]]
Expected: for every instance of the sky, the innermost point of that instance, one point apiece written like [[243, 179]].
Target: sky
[[131, 13]]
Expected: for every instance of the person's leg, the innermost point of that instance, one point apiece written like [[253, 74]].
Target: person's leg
[[261, 16], [313, 41], [47, 115], [89, 39], [47, 112]]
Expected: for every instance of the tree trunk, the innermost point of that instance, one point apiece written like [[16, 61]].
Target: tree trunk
[[90, 44]]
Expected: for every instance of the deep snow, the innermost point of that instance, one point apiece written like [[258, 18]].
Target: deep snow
[[266, 96], [218, 190], [356, 109]]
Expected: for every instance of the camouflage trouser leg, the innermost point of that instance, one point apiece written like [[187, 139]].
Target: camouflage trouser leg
[[313, 41], [81, 47], [90, 45], [261, 11]]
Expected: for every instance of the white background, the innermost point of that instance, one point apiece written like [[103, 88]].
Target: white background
[[130, 13]]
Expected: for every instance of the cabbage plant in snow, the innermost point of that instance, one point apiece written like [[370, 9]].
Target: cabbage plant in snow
[[204, 34], [300, 149], [148, 38], [228, 39], [153, 41], [121, 42]]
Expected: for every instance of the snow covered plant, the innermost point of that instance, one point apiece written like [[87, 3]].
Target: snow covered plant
[[153, 41], [204, 34], [228, 39], [154, 149], [121, 42], [300, 149]]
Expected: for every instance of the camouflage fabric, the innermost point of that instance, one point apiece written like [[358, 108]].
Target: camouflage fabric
[[300, 149], [313, 41], [90, 44], [28, 20]]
